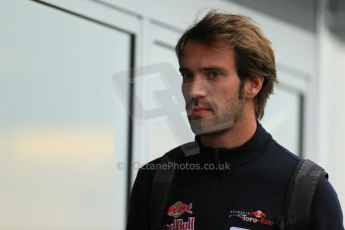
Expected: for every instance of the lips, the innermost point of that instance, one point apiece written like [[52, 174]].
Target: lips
[[198, 112]]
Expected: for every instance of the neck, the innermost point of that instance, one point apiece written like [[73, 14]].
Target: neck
[[237, 135]]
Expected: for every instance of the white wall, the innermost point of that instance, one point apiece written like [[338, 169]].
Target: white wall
[[332, 105]]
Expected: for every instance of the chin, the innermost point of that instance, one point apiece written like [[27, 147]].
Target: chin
[[211, 129]]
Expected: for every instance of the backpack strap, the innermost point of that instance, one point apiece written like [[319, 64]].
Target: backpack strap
[[298, 202], [162, 180]]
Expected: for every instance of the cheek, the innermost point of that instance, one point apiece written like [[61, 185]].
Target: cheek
[[221, 94], [224, 97], [185, 89]]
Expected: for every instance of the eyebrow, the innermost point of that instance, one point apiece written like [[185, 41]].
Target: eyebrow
[[184, 69]]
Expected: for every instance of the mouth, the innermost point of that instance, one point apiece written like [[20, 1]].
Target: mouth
[[199, 112]]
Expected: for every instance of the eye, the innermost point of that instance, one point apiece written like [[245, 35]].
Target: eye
[[213, 74], [186, 76]]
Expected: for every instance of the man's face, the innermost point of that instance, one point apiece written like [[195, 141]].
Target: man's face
[[211, 87]]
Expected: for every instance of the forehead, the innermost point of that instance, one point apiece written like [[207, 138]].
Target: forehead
[[196, 52]]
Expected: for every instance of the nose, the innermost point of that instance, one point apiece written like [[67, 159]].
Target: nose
[[195, 90]]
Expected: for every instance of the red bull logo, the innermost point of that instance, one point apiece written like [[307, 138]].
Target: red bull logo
[[177, 209], [179, 224]]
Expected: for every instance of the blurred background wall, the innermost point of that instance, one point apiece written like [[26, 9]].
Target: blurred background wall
[[89, 91]]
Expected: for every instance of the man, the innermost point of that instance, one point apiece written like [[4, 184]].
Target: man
[[228, 72]]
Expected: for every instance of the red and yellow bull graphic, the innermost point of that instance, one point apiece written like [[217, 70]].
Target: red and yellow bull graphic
[[177, 209]]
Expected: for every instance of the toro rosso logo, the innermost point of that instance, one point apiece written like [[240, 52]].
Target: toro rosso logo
[[257, 217], [259, 214], [177, 209]]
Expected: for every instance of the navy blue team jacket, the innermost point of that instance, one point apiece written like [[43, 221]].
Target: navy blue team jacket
[[246, 192]]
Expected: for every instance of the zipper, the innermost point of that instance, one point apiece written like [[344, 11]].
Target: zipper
[[215, 191]]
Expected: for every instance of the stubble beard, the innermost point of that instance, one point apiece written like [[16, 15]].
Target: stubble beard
[[220, 121]]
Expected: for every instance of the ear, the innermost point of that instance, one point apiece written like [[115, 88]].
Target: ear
[[253, 86]]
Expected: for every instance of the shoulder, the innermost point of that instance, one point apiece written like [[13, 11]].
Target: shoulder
[[278, 160], [274, 151], [147, 171], [284, 153], [326, 209]]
